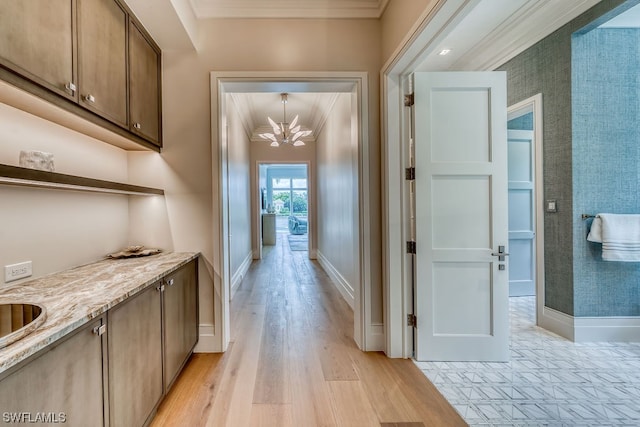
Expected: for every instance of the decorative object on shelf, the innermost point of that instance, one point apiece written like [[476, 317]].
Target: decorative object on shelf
[[285, 132], [134, 251], [38, 160]]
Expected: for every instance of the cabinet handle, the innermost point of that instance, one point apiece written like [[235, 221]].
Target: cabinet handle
[[170, 282], [70, 87], [137, 126], [90, 98], [160, 288], [100, 330]]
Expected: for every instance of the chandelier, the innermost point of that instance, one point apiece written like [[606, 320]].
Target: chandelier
[[284, 132]]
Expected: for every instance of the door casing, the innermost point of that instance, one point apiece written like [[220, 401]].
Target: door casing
[[366, 335], [430, 30], [534, 105]]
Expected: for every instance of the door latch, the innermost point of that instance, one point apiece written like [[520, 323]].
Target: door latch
[[501, 254]]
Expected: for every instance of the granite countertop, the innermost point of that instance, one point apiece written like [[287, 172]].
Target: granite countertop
[[74, 297]]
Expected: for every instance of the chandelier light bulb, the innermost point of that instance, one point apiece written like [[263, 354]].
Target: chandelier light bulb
[[283, 131]]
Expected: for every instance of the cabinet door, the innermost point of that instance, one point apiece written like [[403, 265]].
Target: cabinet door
[[64, 385], [144, 86], [180, 319], [36, 41], [102, 58], [135, 358]]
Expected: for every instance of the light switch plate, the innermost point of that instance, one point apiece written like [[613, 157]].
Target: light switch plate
[[552, 206]]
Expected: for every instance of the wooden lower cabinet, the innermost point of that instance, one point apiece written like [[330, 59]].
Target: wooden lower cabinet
[[63, 384], [151, 336], [118, 378], [135, 358], [180, 320]]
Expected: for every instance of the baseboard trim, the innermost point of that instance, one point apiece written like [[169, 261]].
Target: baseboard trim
[[343, 286], [376, 339], [611, 329], [237, 277], [591, 329], [557, 322], [206, 339]]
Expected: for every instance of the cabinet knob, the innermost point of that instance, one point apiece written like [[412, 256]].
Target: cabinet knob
[[160, 288], [137, 125], [100, 330], [70, 87], [90, 98], [170, 282]]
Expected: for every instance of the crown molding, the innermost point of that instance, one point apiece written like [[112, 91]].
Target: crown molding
[[523, 29], [310, 9]]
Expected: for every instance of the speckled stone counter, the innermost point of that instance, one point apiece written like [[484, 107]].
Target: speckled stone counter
[[74, 297]]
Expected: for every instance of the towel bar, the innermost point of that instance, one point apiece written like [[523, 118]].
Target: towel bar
[[587, 216]]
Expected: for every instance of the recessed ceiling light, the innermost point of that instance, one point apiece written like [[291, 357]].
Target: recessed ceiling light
[[444, 52]]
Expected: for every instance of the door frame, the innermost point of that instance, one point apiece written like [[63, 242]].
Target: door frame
[[534, 105], [365, 334], [424, 38]]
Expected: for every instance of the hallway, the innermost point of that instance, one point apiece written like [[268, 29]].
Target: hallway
[[293, 362]]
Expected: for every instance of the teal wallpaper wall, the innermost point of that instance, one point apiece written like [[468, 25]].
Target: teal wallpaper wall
[[546, 68], [606, 163]]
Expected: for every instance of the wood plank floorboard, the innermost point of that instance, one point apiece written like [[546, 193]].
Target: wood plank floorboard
[[293, 362]]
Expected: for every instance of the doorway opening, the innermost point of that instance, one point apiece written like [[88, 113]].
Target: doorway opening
[[352, 88], [284, 205], [526, 204]]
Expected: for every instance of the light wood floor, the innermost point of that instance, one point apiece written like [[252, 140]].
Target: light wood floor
[[293, 362]]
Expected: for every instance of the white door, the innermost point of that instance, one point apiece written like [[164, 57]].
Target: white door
[[521, 213], [462, 298]]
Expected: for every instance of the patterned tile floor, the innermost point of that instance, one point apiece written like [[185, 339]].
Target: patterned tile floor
[[549, 381]]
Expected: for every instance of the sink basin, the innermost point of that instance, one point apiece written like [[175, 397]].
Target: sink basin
[[19, 320]]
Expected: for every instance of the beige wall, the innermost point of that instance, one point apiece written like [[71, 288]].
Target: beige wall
[[59, 229], [337, 156], [239, 191], [398, 20]]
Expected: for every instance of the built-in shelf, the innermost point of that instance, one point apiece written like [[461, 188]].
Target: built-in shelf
[[14, 175]]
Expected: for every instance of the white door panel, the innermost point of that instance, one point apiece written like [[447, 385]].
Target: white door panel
[[521, 212], [461, 216]]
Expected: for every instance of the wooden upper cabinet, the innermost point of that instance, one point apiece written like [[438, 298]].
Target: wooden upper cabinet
[[92, 57], [144, 86], [37, 41], [102, 58]]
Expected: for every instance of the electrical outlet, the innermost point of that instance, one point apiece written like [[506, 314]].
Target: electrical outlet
[[17, 271]]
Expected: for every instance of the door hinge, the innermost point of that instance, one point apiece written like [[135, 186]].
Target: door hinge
[[410, 174], [412, 320], [411, 247], [409, 100]]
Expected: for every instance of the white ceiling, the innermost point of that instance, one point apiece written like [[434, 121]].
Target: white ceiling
[[628, 19], [255, 107], [288, 8]]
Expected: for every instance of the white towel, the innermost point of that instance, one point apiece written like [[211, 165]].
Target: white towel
[[595, 232], [620, 235]]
